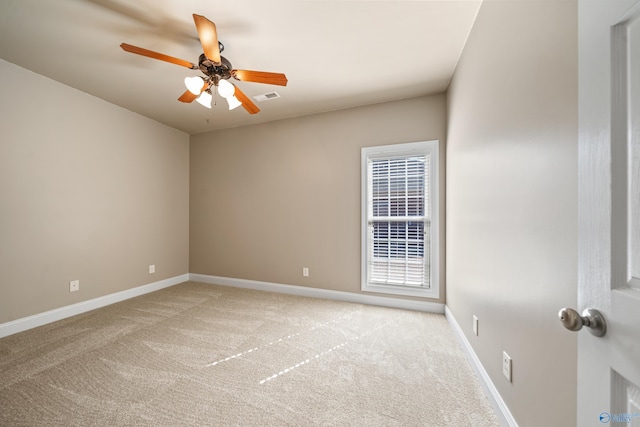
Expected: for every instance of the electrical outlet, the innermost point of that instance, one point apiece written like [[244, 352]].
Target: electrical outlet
[[506, 365], [305, 272], [475, 325], [74, 285], [152, 268]]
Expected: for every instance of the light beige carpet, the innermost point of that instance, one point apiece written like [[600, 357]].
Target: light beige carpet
[[203, 355]]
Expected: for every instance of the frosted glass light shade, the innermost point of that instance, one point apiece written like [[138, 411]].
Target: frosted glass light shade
[[194, 84], [233, 102], [226, 89], [205, 99]]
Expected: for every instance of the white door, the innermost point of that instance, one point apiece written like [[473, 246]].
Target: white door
[[609, 210]]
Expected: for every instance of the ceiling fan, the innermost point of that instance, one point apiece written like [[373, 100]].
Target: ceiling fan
[[217, 69]]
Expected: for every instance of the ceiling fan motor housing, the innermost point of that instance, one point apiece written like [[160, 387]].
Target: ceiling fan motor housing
[[215, 72]]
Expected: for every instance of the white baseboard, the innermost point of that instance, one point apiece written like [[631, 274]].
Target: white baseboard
[[489, 388], [426, 306], [40, 319], [26, 323]]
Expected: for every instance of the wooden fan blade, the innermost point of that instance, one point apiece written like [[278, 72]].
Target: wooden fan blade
[[189, 97], [260, 77], [247, 104], [155, 55], [208, 37]]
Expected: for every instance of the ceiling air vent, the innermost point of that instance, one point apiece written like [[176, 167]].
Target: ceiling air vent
[[266, 96]]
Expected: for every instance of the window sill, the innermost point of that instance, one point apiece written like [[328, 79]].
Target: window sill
[[401, 290]]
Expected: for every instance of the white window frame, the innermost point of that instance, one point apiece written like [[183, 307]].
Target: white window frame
[[429, 148]]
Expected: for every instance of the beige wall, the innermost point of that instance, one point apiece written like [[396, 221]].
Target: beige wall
[[88, 191], [270, 199], [512, 201]]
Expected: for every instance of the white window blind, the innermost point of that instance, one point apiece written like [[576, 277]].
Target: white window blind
[[398, 184]]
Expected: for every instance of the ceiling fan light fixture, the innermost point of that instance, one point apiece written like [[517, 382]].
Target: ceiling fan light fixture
[[226, 89], [233, 102], [205, 99], [194, 84], [216, 68]]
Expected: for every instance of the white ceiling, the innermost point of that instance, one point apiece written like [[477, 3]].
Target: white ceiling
[[336, 54]]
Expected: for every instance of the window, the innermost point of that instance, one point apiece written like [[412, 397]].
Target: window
[[400, 219]]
